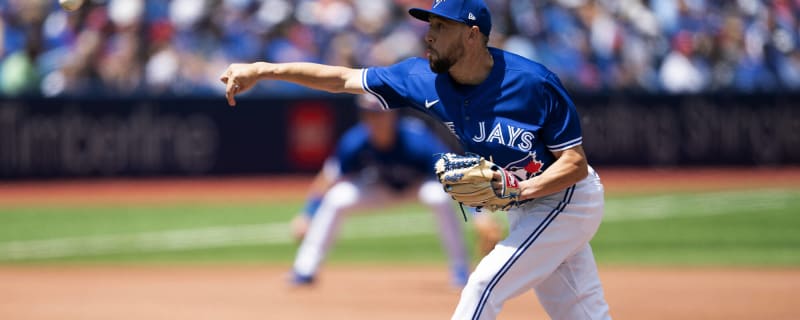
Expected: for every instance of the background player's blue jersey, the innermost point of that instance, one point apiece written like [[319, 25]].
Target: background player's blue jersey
[[409, 160], [487, 117]]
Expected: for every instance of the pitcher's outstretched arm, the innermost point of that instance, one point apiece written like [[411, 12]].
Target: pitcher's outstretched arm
[[240, 77]]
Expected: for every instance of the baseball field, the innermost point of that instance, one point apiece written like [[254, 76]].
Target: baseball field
[[674, 244]]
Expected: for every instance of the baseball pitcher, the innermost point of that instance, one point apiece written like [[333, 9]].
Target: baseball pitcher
[[517, 117]]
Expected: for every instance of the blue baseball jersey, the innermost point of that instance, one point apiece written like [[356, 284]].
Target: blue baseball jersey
[[517, 117], [409, 160]]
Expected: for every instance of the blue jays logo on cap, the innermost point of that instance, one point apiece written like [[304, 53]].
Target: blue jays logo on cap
[[469, 12]]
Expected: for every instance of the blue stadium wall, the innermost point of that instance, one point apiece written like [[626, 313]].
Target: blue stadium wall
[[61, 138]]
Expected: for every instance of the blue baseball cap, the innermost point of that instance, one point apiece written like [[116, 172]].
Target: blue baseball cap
[[469, 12]]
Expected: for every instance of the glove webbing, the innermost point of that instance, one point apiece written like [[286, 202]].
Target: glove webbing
[[463, 163]]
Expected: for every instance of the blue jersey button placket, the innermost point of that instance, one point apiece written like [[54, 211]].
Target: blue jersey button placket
[[467, 125]]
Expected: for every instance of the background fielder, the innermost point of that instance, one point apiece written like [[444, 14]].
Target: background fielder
[[384, 158]]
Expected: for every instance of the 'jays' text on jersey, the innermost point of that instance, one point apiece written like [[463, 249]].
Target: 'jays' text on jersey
[[409, 160], [517, 116]]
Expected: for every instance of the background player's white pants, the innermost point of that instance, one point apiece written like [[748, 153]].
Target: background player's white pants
[[547, 249], [347, 196]]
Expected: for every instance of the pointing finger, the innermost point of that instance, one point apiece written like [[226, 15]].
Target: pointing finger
[[230, 91]]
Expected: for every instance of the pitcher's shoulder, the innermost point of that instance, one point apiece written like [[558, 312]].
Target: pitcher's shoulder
[[516, 64]]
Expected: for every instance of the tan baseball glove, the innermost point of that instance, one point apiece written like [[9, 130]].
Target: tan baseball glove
[[468, 179]]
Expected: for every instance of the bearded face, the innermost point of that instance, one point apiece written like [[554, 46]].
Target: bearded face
[[442, 60], [444, 43]]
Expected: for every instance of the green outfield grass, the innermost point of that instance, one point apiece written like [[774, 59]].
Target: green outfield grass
[[741, 228]]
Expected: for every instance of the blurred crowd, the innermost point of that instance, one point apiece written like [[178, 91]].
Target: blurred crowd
[[179, 47]]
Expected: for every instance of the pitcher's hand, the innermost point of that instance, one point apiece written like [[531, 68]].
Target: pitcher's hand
[[238, 78]]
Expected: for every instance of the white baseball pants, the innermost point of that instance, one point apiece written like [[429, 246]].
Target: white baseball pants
[[347, 196], [547, 250]]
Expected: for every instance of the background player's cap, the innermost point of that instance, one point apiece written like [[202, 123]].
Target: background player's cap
[[469, 12]]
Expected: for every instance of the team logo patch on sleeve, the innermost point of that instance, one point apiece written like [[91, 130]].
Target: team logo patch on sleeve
[[526, 168]]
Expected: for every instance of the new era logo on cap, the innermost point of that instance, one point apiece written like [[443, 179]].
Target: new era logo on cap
[[469, 12]]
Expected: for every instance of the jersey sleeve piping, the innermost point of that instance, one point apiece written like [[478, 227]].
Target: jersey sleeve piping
[[365, 86], [566, 145]]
